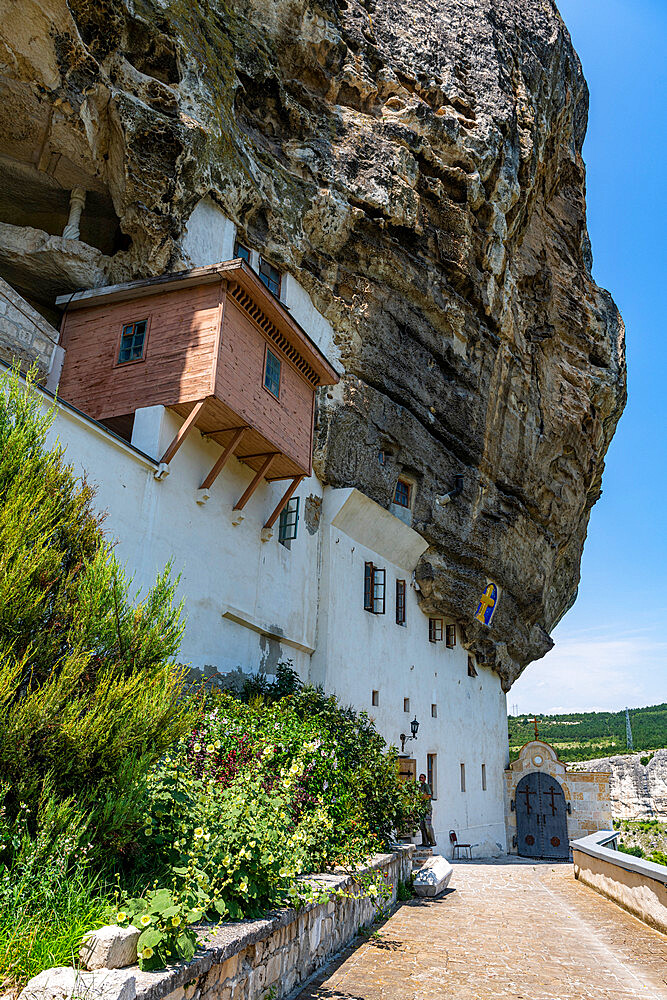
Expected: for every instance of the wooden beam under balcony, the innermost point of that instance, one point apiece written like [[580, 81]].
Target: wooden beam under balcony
[[269, 459], [239, 433], [183, 432], [287, 496]]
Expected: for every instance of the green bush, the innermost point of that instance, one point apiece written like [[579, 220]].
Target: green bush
[[635, 851], [90, 697]]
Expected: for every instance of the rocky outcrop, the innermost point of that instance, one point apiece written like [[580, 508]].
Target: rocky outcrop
[[638, 791], [418, 168]]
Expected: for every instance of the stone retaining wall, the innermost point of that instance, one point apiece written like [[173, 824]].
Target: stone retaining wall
[[636, 885], [24, 334], [250, 960]]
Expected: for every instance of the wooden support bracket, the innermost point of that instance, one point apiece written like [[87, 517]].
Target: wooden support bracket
[[224, 458], [259, 475], [291, 489], [183, 432]]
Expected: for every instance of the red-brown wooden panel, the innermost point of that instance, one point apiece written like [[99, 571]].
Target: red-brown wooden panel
[[287, 421], [179, 355]]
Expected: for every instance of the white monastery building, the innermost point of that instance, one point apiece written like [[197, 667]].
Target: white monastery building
[[189, 402]]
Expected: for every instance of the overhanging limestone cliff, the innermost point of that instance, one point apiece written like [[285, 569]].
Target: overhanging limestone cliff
[[418, 168]]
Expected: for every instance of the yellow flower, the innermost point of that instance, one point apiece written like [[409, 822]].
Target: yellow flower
[[217, 744], [175, 921], [199, 832], [145, 920], [120, 917], [270, 859], [147, 952], [243, 885]]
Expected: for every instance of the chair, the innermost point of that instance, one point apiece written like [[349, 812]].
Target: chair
[[454, 841]]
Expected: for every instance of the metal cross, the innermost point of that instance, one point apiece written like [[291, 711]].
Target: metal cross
[[527, 792]]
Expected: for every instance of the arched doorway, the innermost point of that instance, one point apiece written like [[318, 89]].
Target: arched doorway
[[541, 817]]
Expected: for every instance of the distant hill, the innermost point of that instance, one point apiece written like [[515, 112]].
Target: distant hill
[[585, 735]]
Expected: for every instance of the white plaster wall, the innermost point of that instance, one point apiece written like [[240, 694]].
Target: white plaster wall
[[222, 566], [358, 652], [301, 307], [209, 235]]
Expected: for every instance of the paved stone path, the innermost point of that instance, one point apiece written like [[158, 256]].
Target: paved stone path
[[504, 930]]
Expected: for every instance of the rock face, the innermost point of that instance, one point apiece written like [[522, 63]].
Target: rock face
[[418, 168], [638, 791]]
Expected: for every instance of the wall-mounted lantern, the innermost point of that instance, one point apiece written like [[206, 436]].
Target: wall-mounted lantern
[[414, 728]]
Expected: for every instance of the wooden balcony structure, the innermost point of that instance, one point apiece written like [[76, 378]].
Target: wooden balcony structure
[[204, 338]]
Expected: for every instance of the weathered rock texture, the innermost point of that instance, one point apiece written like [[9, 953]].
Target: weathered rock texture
[[638, 791], [417, 166]]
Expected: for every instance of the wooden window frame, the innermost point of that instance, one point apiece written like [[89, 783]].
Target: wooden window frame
[[401, 590], [267, 352], [435, 629], [285, 521], [375, 589], [264, 261], [135, 361], [408, 486], [432, 773], [406, 705], [239, 256], [450, 636]]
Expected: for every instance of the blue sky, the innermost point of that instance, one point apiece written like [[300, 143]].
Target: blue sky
[[611, 648]]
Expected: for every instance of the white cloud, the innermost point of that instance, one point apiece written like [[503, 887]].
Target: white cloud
[[595, 669]]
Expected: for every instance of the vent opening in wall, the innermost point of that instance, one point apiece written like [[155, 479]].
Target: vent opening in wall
[[434, 711], [375, 698], [463, 777], [406, 704], [483, 777]]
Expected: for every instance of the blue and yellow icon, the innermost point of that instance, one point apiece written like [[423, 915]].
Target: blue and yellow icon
[[487, 604]]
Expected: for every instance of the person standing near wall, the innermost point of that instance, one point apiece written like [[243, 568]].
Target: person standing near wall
[[425, 825]]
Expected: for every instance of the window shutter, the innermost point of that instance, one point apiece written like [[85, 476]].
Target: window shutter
[[379, 591], [368, 586]]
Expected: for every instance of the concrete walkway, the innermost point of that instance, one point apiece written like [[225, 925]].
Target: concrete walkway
[[506, 929]]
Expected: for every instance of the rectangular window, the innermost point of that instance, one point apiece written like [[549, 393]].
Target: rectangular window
[[132, 341], [289, 518], [270, 275], [463, 777], [272, 373], [432, 772], [242, 252], [435, 629], [472, 672], [374, 589], [375, 698], [406, 704], [434, 711], [400, 602], [402, 493], [451, 636], [483, 777]]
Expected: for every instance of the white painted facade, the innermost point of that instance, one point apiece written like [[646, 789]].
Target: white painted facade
[[252, 602]]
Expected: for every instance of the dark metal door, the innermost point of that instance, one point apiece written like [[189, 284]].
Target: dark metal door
[[527, 805], [553, 818]]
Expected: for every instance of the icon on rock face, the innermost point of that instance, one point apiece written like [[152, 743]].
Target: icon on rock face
[[555, 841], [530, 840]]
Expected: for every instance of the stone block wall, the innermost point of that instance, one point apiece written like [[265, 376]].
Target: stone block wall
[[252, 959], [24, 334], [588, 792]]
